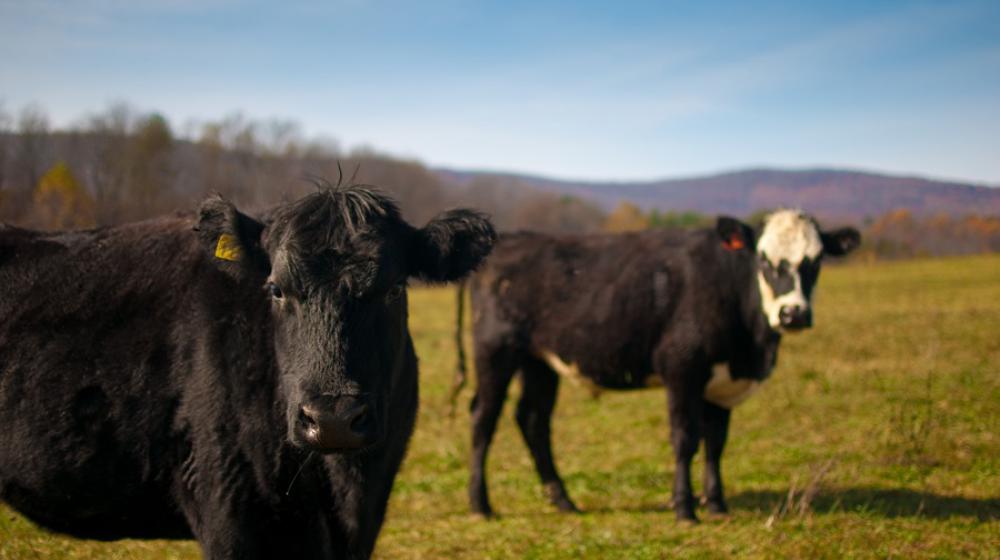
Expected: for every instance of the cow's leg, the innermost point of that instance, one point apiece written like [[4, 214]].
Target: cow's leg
[[228, 528], [493, 374], [685, 400], [224, 533], [534, 417], [716, 428]]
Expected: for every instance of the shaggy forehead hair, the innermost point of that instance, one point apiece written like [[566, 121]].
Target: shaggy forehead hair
[[334, 236], [332, 217], [790, 235]]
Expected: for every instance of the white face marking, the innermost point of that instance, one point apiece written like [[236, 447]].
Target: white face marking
[[772, 305], [725, 391], [570, 372], [791, 237]]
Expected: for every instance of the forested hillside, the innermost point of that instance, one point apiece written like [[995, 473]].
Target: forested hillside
[[121, 164]]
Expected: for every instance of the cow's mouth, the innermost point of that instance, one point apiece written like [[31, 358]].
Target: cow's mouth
[[314, 443]]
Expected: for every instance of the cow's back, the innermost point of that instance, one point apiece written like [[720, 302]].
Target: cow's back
[[87, 389]]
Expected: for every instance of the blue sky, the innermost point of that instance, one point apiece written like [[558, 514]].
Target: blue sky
[[589, 90]]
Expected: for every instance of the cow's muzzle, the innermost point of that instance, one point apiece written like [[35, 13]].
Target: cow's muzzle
[[337, 423], [795, 317]]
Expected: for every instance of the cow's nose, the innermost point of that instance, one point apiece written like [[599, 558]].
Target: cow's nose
[[795, 317], [338, 423]]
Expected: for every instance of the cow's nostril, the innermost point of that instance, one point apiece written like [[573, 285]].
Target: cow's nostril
[[795, 317], [360, 422], [307, 417], [336, 424]]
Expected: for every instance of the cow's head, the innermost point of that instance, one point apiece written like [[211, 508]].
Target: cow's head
[[790, 249], [334, 266]]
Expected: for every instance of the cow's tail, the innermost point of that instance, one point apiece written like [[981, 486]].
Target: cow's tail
[[461, 373]]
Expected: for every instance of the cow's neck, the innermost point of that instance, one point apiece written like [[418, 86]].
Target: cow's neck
[[757, 350]]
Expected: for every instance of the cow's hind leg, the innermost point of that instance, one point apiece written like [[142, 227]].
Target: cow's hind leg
[[716, 428], [534, 416], [493, 373]]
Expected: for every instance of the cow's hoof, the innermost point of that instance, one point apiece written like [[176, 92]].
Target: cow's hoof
[[717, 508], [482, 511], [556, 494], [685, 514], [684, 509], [485, 515], [566, 506], [687, 520]]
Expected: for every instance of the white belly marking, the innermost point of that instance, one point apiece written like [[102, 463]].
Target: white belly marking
[[725, 391], [570, 372]]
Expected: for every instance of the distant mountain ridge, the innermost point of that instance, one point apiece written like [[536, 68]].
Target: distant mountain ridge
[[830, 193]]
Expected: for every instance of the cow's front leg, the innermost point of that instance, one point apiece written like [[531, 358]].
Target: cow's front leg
[[685, 404], [716, 428], [226, 534]]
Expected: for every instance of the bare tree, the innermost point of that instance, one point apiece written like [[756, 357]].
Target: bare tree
[[557, 214], [5, 131], [149, 165], [135, 167], [29, 147], [106, 165]]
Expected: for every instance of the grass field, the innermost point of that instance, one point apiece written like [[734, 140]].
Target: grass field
[[877, 436]]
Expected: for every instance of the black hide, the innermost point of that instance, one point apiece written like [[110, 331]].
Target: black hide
[[151, 375], [625, 312]]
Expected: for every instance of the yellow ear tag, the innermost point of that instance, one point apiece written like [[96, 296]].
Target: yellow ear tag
[[228, 248]]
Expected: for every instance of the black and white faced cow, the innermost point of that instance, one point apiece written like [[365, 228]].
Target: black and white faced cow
[[251, 384], [700, 312]]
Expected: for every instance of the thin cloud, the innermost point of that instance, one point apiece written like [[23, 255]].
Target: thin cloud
[[560, 90]]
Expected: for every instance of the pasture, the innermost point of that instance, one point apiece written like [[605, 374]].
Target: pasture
[[877, 436]]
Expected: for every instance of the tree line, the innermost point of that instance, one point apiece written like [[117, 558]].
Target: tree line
[[122, 164]]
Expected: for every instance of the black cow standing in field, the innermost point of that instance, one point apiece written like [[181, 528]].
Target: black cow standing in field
[[249, 383], [699, 312]]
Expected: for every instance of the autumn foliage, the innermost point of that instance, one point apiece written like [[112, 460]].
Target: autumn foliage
[[60, 202], [900, 234]]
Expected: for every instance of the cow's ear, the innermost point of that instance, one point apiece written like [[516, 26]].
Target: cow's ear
[[840, 242], [734, 234], [232, 239], [451, 245]]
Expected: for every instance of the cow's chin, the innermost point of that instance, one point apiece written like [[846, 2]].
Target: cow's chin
[[792, 330], [340, 452], [331, 451], [304, 444]]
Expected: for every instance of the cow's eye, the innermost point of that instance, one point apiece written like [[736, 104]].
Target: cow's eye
[[395, 293], [273, 290]]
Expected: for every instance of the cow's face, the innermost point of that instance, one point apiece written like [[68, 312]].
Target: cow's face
[[790, 249], [337, 264]]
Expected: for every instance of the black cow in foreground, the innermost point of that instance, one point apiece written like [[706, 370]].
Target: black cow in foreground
[[700, 312], [249, 383]]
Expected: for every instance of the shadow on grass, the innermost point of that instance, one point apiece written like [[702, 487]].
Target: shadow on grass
[[881, 502], [658, 507]]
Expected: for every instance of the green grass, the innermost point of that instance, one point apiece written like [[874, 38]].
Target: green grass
[[895, 393]]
